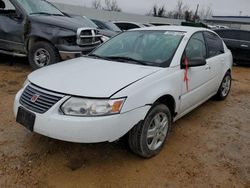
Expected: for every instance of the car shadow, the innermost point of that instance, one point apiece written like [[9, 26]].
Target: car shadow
[[8, 60], [75, 156]]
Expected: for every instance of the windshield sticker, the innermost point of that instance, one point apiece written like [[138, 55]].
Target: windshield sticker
[[174, 33]]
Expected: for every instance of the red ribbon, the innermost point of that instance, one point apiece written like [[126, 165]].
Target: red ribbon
[[186, 72]]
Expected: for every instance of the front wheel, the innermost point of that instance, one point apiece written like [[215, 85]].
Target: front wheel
[[148, 137], [224, 87], [42, 54]]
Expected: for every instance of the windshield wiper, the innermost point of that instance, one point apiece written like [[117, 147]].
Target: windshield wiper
[[46, 13], [122, 58], [57, 14], [99, 57]]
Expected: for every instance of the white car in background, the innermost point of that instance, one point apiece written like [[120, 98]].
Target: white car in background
[[137, 83]]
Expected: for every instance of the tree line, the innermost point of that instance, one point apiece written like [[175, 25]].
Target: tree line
[[181, 11], [108, 5]]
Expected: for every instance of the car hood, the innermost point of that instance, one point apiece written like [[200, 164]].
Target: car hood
[[65, 22], [90, 77]]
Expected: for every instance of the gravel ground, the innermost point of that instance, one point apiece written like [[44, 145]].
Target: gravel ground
[[210, 147]]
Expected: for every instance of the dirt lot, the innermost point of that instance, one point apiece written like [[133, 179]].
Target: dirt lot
[[210, 147]]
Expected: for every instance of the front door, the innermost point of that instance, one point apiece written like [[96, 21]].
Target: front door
[[196, 89], [11, 28]]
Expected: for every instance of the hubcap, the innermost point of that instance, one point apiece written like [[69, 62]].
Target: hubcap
[[42, 57], [226, 86], [157, 131]]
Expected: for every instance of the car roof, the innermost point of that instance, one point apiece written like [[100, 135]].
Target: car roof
[[124, 22], [186, 29], [128, 22]]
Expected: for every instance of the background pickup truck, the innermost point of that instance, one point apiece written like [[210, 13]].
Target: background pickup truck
[[238, 41], [46, 35]]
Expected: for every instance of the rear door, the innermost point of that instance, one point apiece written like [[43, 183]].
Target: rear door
[[11, 27], [244, 45], [238, 42], [216, 58]]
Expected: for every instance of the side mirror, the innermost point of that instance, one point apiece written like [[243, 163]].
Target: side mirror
[[195, 62], [18, 15]]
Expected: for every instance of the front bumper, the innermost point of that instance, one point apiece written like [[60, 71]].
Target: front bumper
[[65, 55], [70, 52], [83, 129]]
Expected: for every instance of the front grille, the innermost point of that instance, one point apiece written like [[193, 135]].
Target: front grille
[[39, 100], [88, 37]]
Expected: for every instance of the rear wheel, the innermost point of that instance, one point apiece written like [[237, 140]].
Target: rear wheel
[[148, 137], [42, 54], [224, 87]]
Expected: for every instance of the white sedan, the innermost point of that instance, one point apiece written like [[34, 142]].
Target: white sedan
[[138, 83]]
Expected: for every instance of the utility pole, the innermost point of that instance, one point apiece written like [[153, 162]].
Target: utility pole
[[196, 13]]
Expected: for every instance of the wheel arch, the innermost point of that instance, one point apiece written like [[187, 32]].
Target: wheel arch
[[33, 39], [169, 101]]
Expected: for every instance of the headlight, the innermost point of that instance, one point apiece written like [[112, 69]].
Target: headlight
[[67, 40], [92, 107], [104, 38]]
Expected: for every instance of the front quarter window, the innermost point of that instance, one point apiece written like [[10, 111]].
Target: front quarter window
[[155, 48]]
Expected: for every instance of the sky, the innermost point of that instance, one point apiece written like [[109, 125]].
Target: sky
[[219, 7]]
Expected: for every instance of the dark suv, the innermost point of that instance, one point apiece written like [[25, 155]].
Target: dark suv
[[37, 29], [238, 41]]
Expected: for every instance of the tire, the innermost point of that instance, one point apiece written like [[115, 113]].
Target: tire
[[143, 139], [225, 87], [42, 54]]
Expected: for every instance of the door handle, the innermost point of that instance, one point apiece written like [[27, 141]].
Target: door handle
[[207, 68], [244, 46]]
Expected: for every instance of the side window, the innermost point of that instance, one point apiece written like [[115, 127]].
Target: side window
[[122, 26], [6, 5], [234, 34], [126, 26], [244, 35], [227, 34], [131, 26], [196, 47], [214, 44], [7, 9]]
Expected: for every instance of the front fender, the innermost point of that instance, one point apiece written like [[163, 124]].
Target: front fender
[[48, 32], [148, 90]]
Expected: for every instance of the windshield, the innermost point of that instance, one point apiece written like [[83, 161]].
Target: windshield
[[39, 7], [154, 48]]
